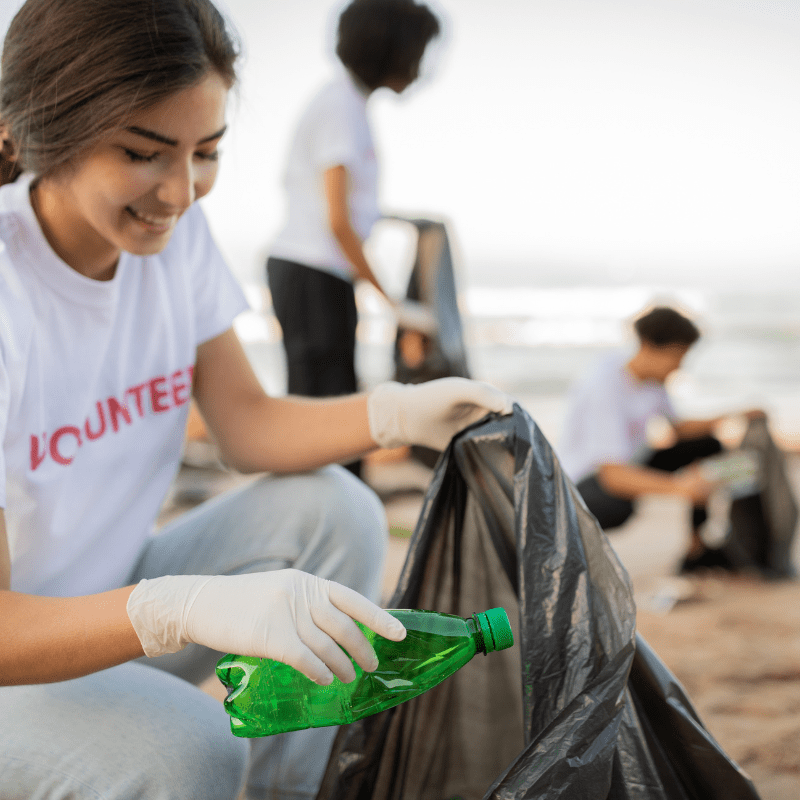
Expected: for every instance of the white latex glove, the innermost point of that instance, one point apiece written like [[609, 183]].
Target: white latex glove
[[431, 413], [415, 316], [286, 615]]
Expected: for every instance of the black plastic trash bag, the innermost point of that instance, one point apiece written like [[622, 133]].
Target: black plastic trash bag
[[423, 357], [762, 525], [432, 282], [580, 708]]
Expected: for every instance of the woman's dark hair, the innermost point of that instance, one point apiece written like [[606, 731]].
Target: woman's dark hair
[[73, 70], [380, 40], [663, 327]]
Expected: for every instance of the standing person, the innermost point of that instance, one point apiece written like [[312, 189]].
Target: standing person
[[331, 183], [115, 308], [604, 446]]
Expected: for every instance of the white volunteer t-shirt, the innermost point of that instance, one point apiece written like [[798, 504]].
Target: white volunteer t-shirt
[[95, 381], [334, 131], [607, 415]]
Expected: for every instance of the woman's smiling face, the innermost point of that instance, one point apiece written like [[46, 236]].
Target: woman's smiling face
[[129, 191]]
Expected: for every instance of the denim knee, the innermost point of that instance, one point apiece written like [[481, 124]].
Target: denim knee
[[357, 515], [126, 733], [350, 542]]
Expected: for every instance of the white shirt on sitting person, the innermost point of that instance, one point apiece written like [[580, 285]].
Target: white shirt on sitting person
[[607, 415]]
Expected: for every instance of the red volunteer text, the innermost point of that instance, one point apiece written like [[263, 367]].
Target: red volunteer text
[[155, 396]]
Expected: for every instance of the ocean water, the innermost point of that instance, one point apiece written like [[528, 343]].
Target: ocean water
[[534, 341], [748, 356]]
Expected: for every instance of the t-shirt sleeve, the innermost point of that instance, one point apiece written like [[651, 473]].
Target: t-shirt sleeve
[[332, 140], [5, 400], [218, 297]]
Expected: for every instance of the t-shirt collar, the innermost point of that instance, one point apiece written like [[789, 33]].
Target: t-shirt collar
[[360, 87], [54, 271]]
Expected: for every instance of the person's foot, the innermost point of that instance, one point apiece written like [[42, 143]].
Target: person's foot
[[709, 558]]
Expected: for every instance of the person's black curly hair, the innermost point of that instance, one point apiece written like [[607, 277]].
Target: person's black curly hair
[[664, 327], [381, 40]]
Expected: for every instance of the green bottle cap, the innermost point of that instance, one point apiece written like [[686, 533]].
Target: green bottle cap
[[496, 629]]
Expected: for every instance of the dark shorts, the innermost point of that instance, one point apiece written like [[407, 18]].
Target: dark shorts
[[317, 313]]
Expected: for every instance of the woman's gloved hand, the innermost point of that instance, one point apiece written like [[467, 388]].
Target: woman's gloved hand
[[431, 413], [286, 615]]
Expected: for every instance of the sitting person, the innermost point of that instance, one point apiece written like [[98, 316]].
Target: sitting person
[[604, 447]]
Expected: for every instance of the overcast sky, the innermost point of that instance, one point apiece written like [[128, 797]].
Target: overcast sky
[[566, 140]]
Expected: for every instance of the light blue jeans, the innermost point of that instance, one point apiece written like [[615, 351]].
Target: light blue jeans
[[143, 731]]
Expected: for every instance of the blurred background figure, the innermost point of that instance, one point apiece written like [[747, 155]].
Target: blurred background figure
[[604, 445], [438, 351], [331, 183]]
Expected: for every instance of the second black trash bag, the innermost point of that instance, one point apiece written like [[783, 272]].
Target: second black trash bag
[[762, 525], [432, 282], [580, 709]]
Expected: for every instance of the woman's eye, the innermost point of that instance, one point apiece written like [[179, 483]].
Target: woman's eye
[[209, 156], [134, 156]]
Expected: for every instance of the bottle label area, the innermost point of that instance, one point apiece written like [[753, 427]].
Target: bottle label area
[[267, 697]]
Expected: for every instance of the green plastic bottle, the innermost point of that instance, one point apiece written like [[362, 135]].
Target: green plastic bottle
[[266, 697]]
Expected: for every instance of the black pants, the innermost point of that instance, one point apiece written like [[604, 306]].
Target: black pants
[[612, 511], [317, 313]]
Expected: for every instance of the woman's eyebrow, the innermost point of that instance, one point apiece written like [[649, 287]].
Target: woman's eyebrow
[[157, 137]]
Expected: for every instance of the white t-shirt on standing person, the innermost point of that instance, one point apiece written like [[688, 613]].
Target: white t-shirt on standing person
[[607, 415], [95, 382], [334, 131]]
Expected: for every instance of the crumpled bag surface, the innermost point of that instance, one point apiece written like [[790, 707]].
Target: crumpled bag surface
[[581, 707]]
